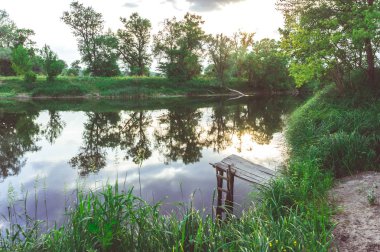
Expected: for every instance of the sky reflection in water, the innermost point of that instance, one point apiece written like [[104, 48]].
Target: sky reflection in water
[[163, 153]]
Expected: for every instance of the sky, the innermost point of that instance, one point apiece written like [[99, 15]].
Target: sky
[[220, 16]]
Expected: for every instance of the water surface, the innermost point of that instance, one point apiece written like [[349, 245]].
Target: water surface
[[162, 148]]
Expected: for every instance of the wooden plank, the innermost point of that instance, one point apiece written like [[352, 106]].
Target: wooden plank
[[220, 166], [246, 164], [245, 169], [252, 180]]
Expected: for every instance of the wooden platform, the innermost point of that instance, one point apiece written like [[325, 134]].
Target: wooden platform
[[246, 170], [229, 168]]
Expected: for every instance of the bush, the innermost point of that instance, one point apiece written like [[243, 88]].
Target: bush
[[59, 90], [30, 77], [21, 60], [51, 64]]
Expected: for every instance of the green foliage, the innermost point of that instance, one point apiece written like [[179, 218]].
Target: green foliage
[[179, 47], [118, 86], [106, 61], [342, 133], [5, 62], [21, 60], [266, 66], [371, 196], [22, 63], [243, 42], [7, 30], [110, 220], [52, 66], [220, 48], [59, 90], [329, 39], [30, 77], [345, 152], [74, 69], [133, 44], [98, 49]]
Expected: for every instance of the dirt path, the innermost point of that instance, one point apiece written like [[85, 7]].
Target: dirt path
[[358, 227]]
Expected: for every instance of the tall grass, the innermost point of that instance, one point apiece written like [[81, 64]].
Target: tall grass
[[341, 133], [113, 220]]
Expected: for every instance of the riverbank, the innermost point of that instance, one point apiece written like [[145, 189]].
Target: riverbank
[[331, 135], [120, 87], [340, 135]]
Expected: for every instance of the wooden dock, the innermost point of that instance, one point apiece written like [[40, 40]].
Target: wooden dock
[[235, 166]]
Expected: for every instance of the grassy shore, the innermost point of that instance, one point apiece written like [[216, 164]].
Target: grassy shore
[[65, 86], [330, 135]]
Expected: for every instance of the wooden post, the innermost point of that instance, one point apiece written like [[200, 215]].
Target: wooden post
[[229, 168], [230, 190], [219, 179]]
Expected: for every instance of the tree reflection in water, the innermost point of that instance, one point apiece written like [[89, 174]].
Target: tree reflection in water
[[54, 127], [18, 135], [179, 135], [97, 136], [133, 137], [219, 136]]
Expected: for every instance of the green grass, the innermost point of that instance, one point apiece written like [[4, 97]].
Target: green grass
[[329, 135], [340, 132], [110, 220], [65, 86]]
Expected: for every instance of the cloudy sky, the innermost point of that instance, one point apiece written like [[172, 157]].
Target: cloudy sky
[[221, 16]]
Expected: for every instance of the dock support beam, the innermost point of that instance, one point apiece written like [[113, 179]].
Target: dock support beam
[[228, 206]]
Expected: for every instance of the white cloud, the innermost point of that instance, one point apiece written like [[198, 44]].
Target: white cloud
[[207, 5]]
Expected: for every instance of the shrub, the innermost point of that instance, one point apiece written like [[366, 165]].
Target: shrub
[[30, 77], [51, 64]]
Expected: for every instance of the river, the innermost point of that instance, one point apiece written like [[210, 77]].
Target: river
[[161, 147]]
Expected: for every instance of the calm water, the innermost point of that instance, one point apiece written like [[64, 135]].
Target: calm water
[[162, 147]]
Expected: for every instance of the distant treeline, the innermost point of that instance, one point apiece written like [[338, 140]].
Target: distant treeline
[[180, 48], [322, 41]]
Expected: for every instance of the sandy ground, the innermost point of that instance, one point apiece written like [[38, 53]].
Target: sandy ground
[[358, 222]]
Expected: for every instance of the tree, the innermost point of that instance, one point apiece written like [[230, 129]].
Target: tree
[[52, 66], [220, 49], [331, 39], [7, 30], [74, 69], [12, 36], [267, 66], [133, 44], [97, 49], [179, 46], [242, 45], [5, 62], [107, 55], [22, 63]]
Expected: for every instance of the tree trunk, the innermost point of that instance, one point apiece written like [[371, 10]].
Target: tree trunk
[[337, 74], [370, 56], [370, 62]]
